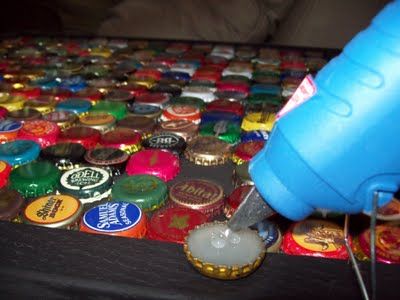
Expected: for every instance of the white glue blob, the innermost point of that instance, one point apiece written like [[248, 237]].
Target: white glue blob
[[215, 243]]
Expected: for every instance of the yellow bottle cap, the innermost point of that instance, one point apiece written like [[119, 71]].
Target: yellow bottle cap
[[55, 211], [104, 52], [12, 103], [43, 104], [146, 82], [258, 121]]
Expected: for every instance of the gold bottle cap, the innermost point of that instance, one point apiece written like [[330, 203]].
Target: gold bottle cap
[[241, 175], [217, 252], [146, 82], [33, 74], [98, 120], [207, 151], [43, 104], [104, 52], [358, 253]]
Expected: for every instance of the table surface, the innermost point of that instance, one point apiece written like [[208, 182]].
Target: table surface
[[59, 264], [52, 263]]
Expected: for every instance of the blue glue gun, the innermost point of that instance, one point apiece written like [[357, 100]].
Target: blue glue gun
[[341, 146]]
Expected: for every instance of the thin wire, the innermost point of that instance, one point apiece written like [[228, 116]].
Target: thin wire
[[360, 280], [372, 245]]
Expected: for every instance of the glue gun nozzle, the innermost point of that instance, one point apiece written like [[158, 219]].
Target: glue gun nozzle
[[253, 209]]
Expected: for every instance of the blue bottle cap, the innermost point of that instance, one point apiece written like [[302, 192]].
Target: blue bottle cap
[[293, 73], [129, 64], [256, 135], [143, 109], [270, 234], [194, 63], [9, 126], [176, 75], [47, 83], [215, 116], [74, 105], [112, 217], [270, 89], [73, 84], [19, 152]]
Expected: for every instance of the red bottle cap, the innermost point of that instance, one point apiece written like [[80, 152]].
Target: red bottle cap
[[45, 133], [181, 112], [136, 90], [387, 243], [58, 94], [27, 92], [89, 93], [194, 55], [234, 199], [313, 237], [198, 194], [292, 80], [148, 73], [290, 53], [122, 138], [177, 46], [86, 136], [157, 99], [166, 61], [211, 76], [237, 87], [210, 68], [216, 61], [293, 65], [162, 164], [36, 61], [3, 112], [226, 105], [174, 223], [246, 151], [4, 65], [5, 170], [183, 128]]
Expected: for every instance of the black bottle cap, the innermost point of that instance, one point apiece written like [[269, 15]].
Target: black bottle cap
[[112, 158], [173, 89], [65, 156], [165, 141]]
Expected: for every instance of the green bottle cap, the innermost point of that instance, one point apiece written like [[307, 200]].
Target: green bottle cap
[[241, 175], [201, 83], [95, 70], [264, 98], [146, 191], [272, 72], [89, 184], [236, 78], [224, 130], [198, 102], [118, 110], [35, 179]]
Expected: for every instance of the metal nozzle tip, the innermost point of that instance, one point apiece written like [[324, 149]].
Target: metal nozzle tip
[[253, 209]]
